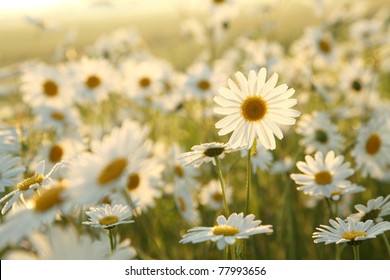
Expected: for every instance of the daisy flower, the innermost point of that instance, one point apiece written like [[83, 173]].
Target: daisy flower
[[227, 230], [319, 134], [27, 186], [322, 176], [205, 153], [105, 216], [212, 197], [358, 87], [46, 85], [60, 150], [202, 81], [106, 168], [254, 109], [142, 79], [143, 181], [186, 204], [175, 170], [375, 210], [43, 208], [348, 231], [61, 119], [60, 243], [93, 79], [372, 150], [10, 172]]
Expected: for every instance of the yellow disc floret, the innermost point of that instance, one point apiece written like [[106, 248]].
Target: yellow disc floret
[[225, 230]]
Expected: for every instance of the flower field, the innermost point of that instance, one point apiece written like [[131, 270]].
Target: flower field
[[227, 130]]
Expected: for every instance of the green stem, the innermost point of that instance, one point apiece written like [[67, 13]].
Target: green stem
[[338, 252], [387, 243], [248, 191], [356, 253], [232, 252], [225, 253], [111, 236], [329, 204], [248, 181], [223, 187]]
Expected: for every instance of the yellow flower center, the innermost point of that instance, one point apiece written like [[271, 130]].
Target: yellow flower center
[[93, 82], [133, 181], [323, 178], [181, 204], [218, 1], [254, 108], [50, 88], [352, 235], [324, 46], [26, 183], [225, 230], [179, 171], [108, 220], [373, 144], [57, 116], [144, 82], [56, 153], [48, 198], [217, 197], [203, 85], [112, 171]]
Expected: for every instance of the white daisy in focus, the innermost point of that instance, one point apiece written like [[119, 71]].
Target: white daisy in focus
[[372, 149], [255, 109], [106, 216], [323, 176], [67, 244], [319, 133], [211, 195], [349, 231], [186, 204], [375, 210], [227, 230], [27, 186], [205, 153], [10, 171]]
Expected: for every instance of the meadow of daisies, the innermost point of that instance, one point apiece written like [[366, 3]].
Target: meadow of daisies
[[256, 147]]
